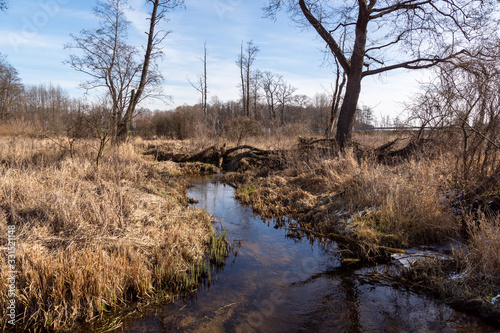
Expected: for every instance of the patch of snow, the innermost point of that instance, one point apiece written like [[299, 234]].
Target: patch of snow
[[404, 259], [495, 299], [458, 276]]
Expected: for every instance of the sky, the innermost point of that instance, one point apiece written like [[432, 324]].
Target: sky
[[33, 34]]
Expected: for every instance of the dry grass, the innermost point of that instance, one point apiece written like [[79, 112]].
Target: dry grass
[[481, 257], [404, 204], [88, 239], [470, 278]]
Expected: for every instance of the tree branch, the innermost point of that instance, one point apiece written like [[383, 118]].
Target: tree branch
[[398, 39], [414, 64], [342, 25], [410, 4], [327, 37]]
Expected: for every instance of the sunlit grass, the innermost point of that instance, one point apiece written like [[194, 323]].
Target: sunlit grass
[[90, 240]]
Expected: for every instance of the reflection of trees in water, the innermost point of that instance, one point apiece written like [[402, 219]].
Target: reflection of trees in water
[[349, 284], [337, 308]]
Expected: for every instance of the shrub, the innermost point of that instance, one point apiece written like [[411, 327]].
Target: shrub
[[240, 128]]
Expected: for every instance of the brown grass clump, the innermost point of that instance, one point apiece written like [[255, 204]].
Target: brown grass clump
[[89, 240], [481, 256], [470, 278], [404, 204]]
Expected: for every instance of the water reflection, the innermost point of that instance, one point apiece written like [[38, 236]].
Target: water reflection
[[275, 284]]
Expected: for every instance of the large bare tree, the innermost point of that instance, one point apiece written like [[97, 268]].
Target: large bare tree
[[385, 35], [106, 57], [150, 76], [112, 63]]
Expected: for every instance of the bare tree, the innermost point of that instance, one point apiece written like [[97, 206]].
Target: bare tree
[[97, 124], [106, 57], [300, 103], [239, 62], [112, 63], [364, 117], [201, 85], [10, 88], [285, 96], [48, 105], [245, 60], [465, 97], [321, 110], [3, 5], [337, 93], [387, 35], [149, 77], [254, 92], [270, 84]]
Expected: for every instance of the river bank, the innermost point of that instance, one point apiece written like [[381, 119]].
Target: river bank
[[81, 242]]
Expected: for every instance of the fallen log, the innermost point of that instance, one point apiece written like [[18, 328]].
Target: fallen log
[[235, 162], [260, 151]]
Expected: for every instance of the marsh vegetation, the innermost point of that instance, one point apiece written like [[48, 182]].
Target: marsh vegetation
[[92, 240]]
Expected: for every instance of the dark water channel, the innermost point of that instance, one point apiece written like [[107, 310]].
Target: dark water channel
[[276, 284]]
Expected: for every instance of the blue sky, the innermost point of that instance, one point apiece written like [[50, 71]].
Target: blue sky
[[33, 34]]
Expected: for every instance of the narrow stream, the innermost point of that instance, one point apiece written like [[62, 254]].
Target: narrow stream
[[275, 284]]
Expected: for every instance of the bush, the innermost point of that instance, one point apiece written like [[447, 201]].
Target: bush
[[239, 128]]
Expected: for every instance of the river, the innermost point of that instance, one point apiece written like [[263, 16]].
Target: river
[[272, 283]]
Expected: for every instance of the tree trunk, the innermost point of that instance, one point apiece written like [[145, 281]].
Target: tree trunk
[[124, 126], [354, 76], [337, 94], [205, 91], [247, 101], [243, 90], [353, 67], [124, 123], [348, 112]]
